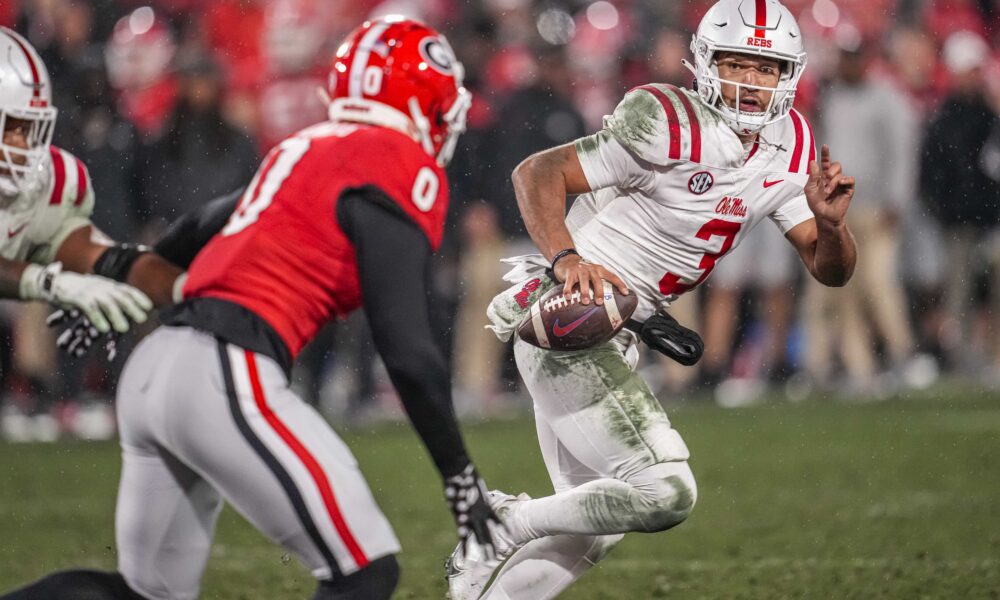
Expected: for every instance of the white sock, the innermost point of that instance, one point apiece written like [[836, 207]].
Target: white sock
[[544, 568]]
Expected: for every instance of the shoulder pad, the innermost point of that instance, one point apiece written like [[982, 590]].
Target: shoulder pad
[[794, 134], [70, 185], [659, 123]]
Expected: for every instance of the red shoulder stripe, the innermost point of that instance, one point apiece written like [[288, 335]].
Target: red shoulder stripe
[[693, 120], [812, 142], [81, 183], [59, 173], [797, 153], [673, 124]]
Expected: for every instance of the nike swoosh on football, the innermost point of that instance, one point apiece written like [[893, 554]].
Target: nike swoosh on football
[[12, 232], [768, 184], [560, 331]]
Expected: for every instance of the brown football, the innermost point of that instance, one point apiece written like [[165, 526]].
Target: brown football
[[558, 322]]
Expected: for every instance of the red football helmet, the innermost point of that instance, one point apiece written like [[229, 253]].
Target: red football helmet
[[399, 73]]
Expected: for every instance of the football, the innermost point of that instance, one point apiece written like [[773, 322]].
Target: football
[[559, 322]]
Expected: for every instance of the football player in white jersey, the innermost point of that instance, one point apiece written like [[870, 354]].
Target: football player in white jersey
[[49, 250], [673, 182]]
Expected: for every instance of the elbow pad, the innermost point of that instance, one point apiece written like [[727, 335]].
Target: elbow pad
[[116, 262]]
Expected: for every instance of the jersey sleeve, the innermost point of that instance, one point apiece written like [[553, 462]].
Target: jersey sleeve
[[791, 213], [68, 207], [608, 163], [657, 123]]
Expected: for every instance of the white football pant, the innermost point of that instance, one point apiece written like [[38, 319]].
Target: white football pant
[[616, 464], [203, 421]]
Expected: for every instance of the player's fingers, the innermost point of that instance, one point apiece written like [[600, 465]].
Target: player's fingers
[[113, 311], [597, 284], [615, 281], [570, 282], [132, 304], [584, 286], [96, 317], [139, 297], [57, 317], [814, 174], [824, 155], [833, 183], [834, 169], [65, 338]]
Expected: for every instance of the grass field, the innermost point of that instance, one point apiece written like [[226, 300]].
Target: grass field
[[814, 500]]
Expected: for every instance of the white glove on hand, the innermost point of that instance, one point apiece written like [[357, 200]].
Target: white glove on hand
[[99, 298]]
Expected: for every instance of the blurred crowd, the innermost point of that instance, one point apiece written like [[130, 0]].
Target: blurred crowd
[[173, 102]]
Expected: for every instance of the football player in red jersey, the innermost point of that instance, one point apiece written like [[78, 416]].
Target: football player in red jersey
[[341, 215]]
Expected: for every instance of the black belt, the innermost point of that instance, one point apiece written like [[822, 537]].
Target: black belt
[[231, 323]]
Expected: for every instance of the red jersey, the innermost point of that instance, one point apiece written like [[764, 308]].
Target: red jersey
[[283, 255]]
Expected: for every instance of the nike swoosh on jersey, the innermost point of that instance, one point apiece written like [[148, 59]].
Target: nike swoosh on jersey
[[12, 232], [560, 331], [768, 184]]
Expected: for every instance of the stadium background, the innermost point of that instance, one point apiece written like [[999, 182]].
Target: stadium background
[[858, 465]]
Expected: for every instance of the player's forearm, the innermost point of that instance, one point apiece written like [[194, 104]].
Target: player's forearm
[[836, 254], [11, 272], [541, 196], [154, 276]]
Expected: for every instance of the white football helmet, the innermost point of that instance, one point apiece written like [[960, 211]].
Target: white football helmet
[[758, 27], [25, 94]]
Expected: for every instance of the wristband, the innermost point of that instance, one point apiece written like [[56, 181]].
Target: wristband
[[560, 255], [36, 281]]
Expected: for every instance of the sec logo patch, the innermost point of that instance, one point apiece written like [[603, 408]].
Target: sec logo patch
[[700, 182]]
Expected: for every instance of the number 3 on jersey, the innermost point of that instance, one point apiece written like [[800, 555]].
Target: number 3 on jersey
[[671, 284], [278, 166]]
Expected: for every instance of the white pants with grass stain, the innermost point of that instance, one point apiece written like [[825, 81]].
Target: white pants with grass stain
[[616, 465]]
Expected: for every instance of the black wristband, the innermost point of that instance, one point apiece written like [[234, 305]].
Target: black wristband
[[561, 255], [116, 261]]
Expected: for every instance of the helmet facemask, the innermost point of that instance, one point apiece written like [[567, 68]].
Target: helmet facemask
[[23, 169], [706, 72]]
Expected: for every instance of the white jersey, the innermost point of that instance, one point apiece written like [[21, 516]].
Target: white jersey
[[674, 190], [36, 223]]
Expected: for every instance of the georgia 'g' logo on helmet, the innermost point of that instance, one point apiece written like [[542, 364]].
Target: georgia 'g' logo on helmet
[[399, 73], [755, 27], [439, 56]]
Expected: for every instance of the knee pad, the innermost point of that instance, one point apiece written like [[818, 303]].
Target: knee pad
[[376, 581], [668, 494]]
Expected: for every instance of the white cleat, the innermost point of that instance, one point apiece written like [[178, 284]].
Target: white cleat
[[468, 573]]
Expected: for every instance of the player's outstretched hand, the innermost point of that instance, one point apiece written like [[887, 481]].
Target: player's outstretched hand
[[828, 190], [78, 334], [105, 302], [477, 523], [574, 272]]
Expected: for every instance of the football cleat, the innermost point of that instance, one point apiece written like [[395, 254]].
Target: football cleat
[[468, 571]]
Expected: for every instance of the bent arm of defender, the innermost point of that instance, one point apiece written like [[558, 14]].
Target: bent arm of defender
[[393, 255], [186, 236]]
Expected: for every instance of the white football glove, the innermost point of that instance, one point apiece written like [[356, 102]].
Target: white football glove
[[107, 303]]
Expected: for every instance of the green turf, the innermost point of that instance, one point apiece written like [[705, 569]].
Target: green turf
[[816, 500]]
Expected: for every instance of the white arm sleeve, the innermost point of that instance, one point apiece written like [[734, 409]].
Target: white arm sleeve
[[791, 213], [607, 163]]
